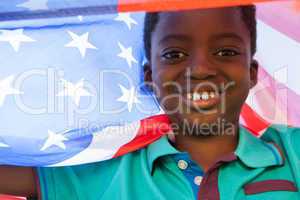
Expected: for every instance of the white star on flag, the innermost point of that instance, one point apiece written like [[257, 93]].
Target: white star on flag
[[129, 96], [3, 145], [125, 17], [126, 53], [54, 140], [75, 91], [80, 42], [34, 4], [80, 18], [14, 38], [7, 89]]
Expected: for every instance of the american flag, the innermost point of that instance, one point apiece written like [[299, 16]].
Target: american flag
[[71, 86]]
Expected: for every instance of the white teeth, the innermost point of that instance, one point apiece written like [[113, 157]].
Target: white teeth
[[196, 96], [201, 96], [205, 96]]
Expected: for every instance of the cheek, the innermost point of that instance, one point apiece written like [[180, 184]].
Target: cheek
[[167, 89], [243, 79], [166, 80], [239, 81], [237, 94], [238, 73]]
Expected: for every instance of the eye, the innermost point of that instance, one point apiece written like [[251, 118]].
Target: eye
[[227, 53], [174, 55]]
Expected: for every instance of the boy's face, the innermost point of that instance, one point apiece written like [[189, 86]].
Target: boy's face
[[201, 65]]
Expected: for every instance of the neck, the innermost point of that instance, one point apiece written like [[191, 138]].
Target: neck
[[205, 150]]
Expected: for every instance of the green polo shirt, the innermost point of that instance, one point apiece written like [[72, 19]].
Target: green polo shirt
[[266, 168]]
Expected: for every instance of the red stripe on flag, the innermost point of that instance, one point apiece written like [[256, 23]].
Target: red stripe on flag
[[151, 129], [253, 121], [167, 5], [7, 197]]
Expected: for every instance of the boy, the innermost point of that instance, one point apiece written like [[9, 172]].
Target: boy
[[201, 68]]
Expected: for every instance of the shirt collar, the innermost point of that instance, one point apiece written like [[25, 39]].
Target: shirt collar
[[158, 149], [252, 151], [255, 152]]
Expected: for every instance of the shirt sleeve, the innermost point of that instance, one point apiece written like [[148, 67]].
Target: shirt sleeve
[[56, 183], [288, 139], [45, 183], [81, 182], [294, 153]]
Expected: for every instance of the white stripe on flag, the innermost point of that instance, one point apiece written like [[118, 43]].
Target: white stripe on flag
[[277, 51], [104, 144]]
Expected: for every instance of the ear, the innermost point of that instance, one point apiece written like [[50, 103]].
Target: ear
[[253, 73], [148, 75]]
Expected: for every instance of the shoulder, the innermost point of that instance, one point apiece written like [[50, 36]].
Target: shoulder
[[82, 181], [104, 166], [283, 133], [286, 137]]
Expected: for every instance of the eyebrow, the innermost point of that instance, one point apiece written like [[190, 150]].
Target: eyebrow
[[221, 36], [179, 37], [229, 35]]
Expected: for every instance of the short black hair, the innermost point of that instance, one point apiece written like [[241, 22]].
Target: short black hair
[[248, 16]]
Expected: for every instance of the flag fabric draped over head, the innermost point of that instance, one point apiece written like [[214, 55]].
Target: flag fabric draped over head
[[71, 86]]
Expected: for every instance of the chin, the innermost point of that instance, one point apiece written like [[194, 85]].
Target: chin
[[204, 124]]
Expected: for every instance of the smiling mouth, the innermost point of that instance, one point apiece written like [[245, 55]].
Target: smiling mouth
[[202, 99]]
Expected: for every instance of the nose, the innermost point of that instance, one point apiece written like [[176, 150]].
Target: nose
[[201, 68]]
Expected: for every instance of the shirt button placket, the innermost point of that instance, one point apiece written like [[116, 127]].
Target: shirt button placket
[[182, 164], [198, 180]]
